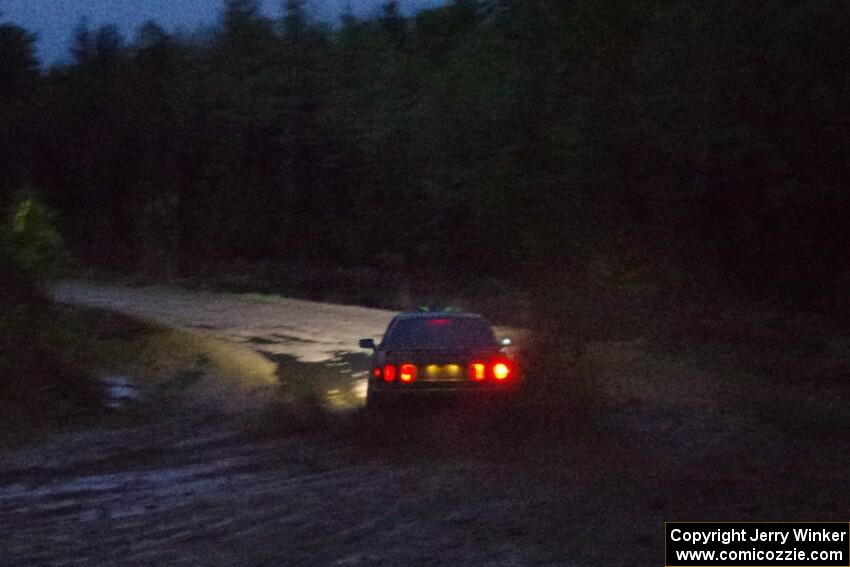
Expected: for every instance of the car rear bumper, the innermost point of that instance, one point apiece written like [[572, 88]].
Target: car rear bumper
[[443, 388]]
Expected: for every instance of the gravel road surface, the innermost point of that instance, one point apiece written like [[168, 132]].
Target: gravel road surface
[[444, 486]]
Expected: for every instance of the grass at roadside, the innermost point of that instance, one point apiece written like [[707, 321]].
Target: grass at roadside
[[789, 370], [54, 358], [168, 362], [43, 373]]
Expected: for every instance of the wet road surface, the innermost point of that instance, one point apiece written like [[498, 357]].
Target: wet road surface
[[187, 484]]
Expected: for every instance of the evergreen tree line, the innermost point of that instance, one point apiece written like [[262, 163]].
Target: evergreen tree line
[[685, 141]]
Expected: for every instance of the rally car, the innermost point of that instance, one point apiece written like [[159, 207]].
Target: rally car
[[438, 353]]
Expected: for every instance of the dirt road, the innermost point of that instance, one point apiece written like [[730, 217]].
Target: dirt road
[[249, 484]]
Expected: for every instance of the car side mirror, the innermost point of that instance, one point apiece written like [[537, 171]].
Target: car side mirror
[[506, 341], [367, 343]]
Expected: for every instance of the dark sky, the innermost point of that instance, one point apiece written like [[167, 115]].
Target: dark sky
[[54, 20]]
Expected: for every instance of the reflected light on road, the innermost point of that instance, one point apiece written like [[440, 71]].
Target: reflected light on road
[[351, 398], [359, 389]]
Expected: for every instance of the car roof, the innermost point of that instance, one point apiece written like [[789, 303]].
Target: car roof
[[437, 315]]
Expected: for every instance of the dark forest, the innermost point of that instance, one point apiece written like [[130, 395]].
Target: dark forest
[[679, 145]]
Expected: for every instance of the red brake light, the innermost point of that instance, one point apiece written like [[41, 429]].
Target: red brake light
[[376, 372], [501, 371], [439, 322], [407, 372], [478, 371], [389, 373]]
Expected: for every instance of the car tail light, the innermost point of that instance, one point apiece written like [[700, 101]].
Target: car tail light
[[389, 373], [376, 372], [501, 371], [478, 371], [407, 373]]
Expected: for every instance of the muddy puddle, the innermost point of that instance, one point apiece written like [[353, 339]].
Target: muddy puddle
[[120, 391]]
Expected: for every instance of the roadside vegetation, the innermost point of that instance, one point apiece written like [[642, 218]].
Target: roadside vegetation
[[39, 374], [660, 147], [54, 359]]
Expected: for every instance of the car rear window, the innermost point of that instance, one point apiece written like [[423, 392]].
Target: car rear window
[[439, 333]]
